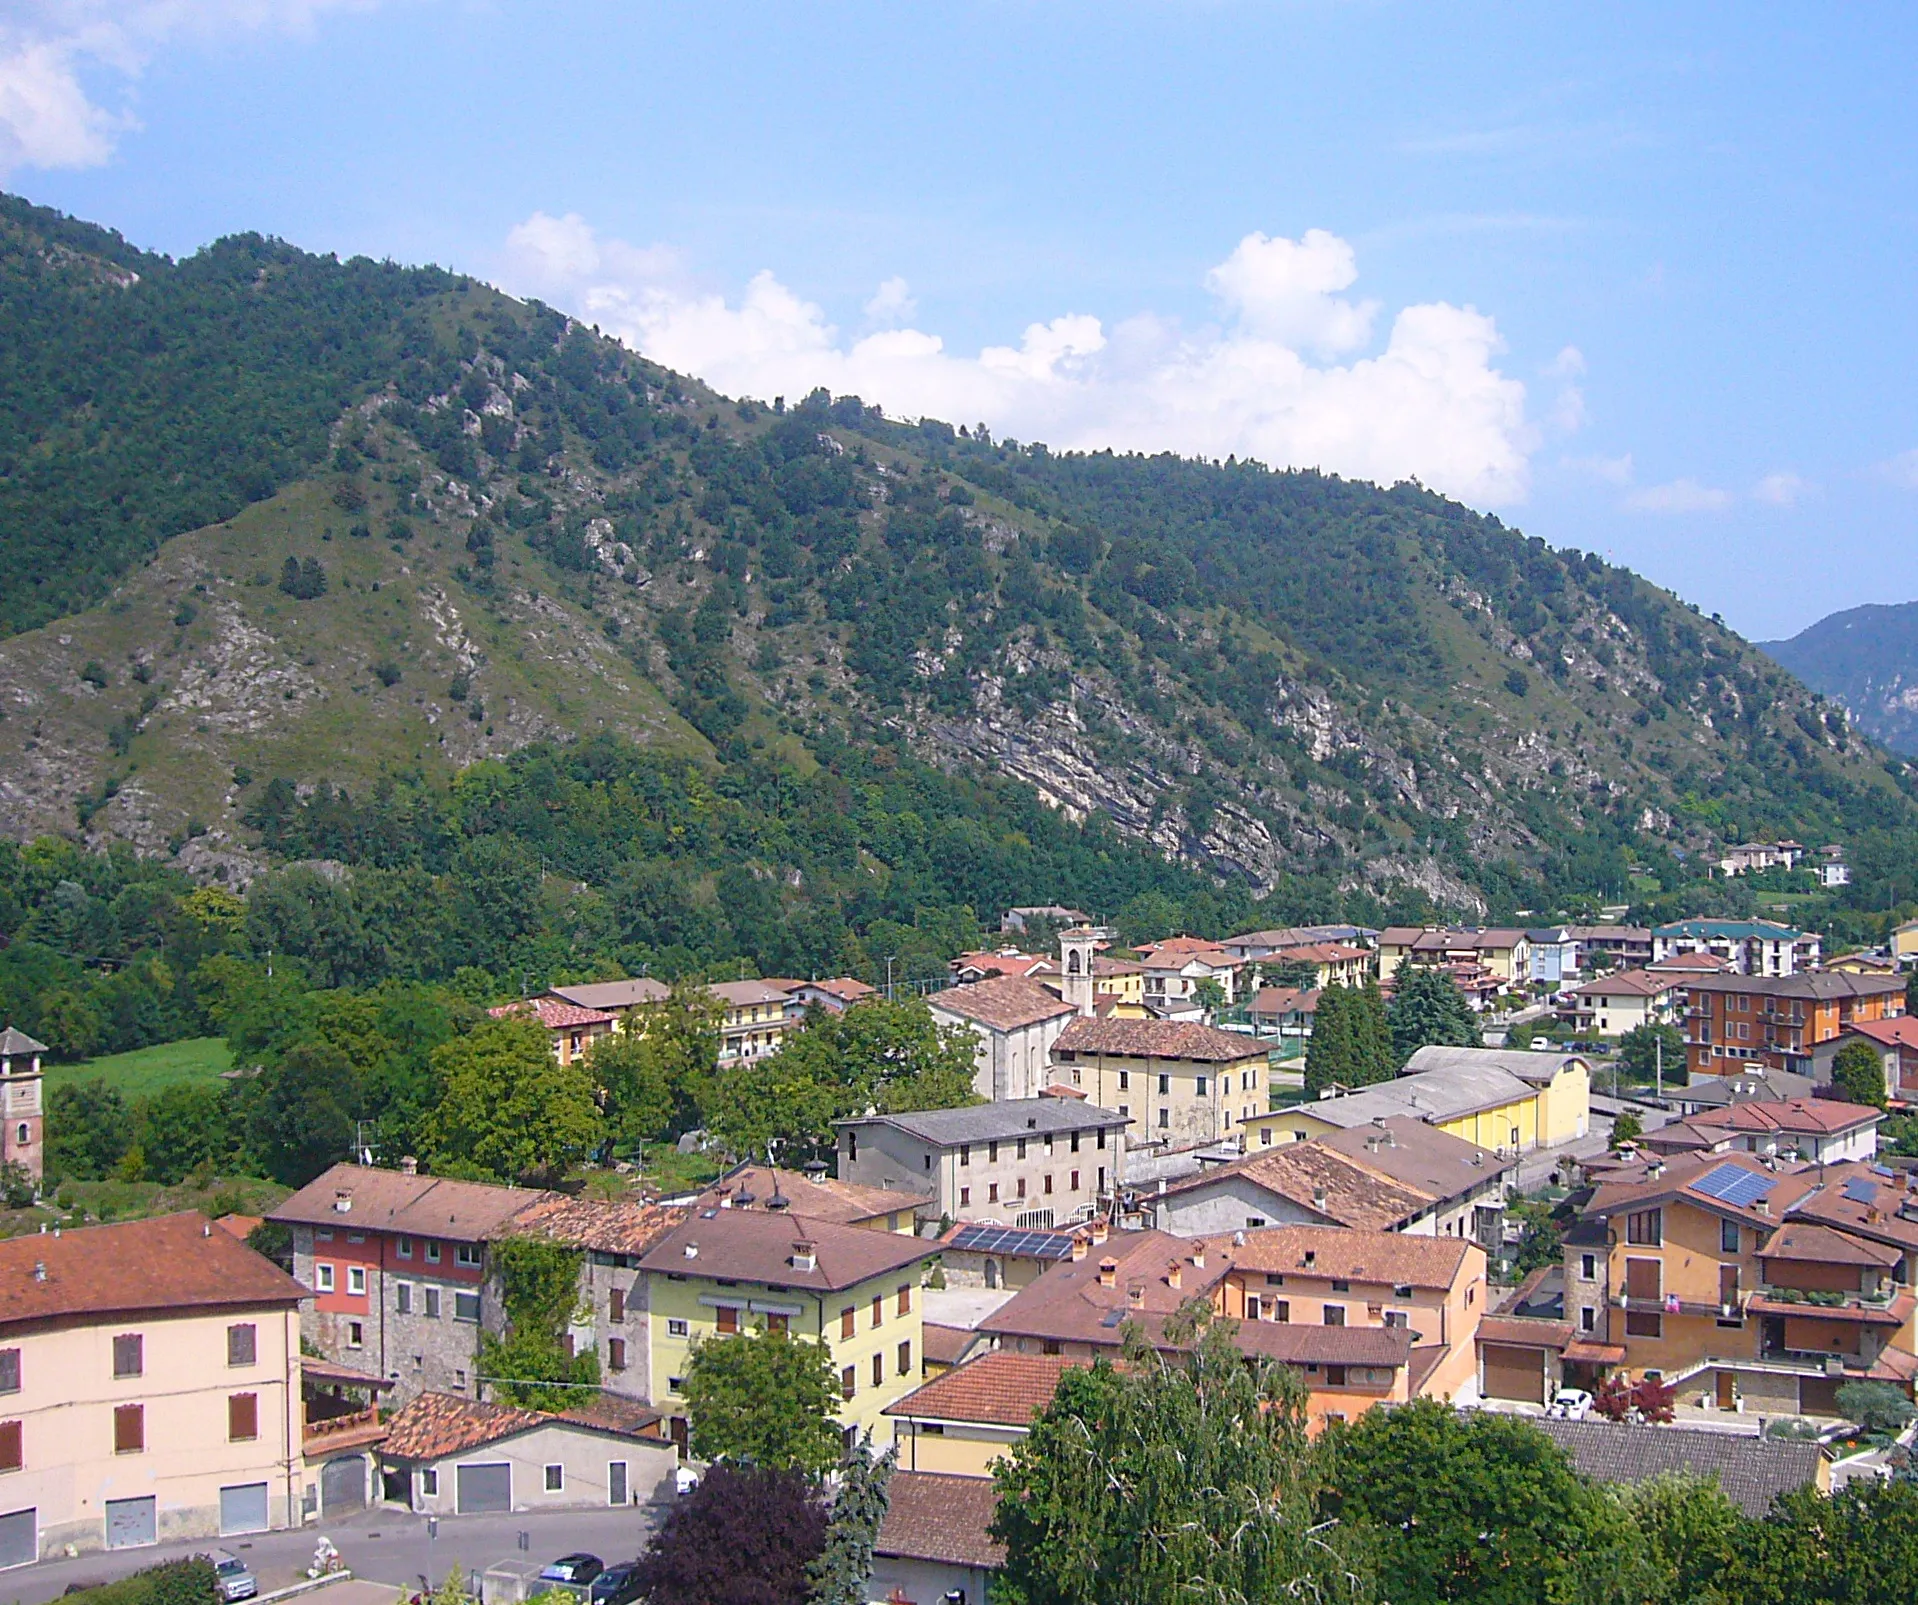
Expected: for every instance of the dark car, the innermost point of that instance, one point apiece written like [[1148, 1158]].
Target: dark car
[[617, 1585], [577, 1569]]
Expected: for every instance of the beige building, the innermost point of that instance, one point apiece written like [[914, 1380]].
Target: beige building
[[1016, 1022], [1615, 1004], [149, 1389], [754, 1020], [1180, 1084]]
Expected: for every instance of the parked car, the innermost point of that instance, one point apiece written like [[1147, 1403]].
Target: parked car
[[232, 1577], [1570, 1404], [617, 1585], [685, 1480], [579, 1569]]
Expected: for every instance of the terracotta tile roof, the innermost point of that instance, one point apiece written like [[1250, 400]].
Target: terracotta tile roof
[[241, 1226], [554, 1013], [1068, 1301], [1876, 1213], [1157, 1039], [393, 1201], [846, 1203], [1901, 1031], [1103, 967], [438, 1424], [743, 994], [1634, 1186], [637, 992], [748, 1245], [1175, 952], [1000, 1388], [943, 1345], [1691, 963], [1805, 1240], [935, 1517], [1302, 1344], [1379, 1257], [1818, 985], [614, 1412], [844, 987], [1630, 984], [172, 1263], [1321, 953], [1524, 1332], [1012, 963], [328, 1372], [1823, 1115], [1333, 1185], [1752, 1471], [1007, 1003], [1285, 1000], [611, 1227]]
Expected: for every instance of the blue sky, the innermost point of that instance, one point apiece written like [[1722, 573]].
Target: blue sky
[[1636, 277]]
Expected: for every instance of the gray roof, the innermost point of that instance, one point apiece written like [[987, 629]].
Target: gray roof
[[1536, 1068], [1758, 1082], [1434, 1095], [1752, 1471], [997, 1122], [633, 993], [12, 1042]]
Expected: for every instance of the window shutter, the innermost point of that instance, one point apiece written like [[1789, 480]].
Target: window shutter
[[616, 1353], [12, 1456], [242, 1416], [242, 1344], [616, 1305], [129, 1429], [128, 1355]]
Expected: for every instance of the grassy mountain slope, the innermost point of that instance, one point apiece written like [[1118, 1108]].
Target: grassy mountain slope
[[1866, 658], [525, 531]]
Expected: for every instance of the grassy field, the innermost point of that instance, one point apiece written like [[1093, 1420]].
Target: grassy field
[[147, 1070], [82, 1203]]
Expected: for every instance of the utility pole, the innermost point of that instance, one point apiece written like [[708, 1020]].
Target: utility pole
[[889, 958], [1658, 1061]]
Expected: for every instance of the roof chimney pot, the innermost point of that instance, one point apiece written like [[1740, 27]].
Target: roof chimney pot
[[1108, 1273]]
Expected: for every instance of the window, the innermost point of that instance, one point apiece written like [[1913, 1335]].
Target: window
[[1275, 1278], [432, 1303], [674, 1384], [467, 1254], [1588, 1267], [555, 1479], [1403, 1290], [404, 1248], [1281, 1309], [992, 1153], [616, 1354], [1588, 1319], [992, 1192], [905, 1358], [905, 1300], [965, 1197], [1020, 1187], [1165, 1085], [356, 1334], [1265, 1136], [324, 1234], [1728, 1236], [1200, 1088], [1051, 1346], [852, 1145], [1254, 1221], [1075, 1181], [616, 1305], [848, 1381], [1075, 1142], [1397, 1318], [1125, 1081], [1165, 1118], [1334, 1315], [129, 1355], [1022, 1148], [616, 1482], [1644, 1324], [965, 1154], [466, 1306], [847, 1319], [879, 1370], [432, 1253], [129, 1429], [675, 1328], [322, 1278], [726, 1319], [242, 1417], [12, 1449], [878, 1309], [1645, 1227], [1125, 1113], [9, 1370], [927, 1158], [356, 1280], [403, 1298], [1335, 1376], [1340, 1285]]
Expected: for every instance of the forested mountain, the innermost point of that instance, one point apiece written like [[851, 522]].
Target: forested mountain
[[1867, 659], [271, 522]]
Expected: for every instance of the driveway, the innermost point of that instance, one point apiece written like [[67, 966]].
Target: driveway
[[383, 1545]]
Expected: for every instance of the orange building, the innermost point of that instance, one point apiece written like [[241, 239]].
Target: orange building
[[1734, 1021]]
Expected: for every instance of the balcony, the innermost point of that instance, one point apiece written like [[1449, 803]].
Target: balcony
[[1876, 1308], [1731, 1311]]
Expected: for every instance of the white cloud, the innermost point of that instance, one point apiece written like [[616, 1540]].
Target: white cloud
[[47, 47], [1902, 469], [892, 303], [1782, 489], [1567, 414], [1679, 496], [1431, 404]]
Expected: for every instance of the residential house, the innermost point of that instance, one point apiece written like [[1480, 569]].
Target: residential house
[[1614, 1004], [626, 1001], [1553, 956], [1736, 1021], [1904, 944], [22, 1124], [450, 1456], [754, 1019], [1018, 919], [1176, 968], [733, 1270], [1751, 947], [1752, 1472], [1503, 954], [1895, 1041], [1739, 1086], [1754, 858], [987, 1254], [1616, 947], [1016, 1022], [573, 1030], [1822, 1130], [835, 995], [1862, 963], [1695, 963], [989, 966], [1332, 963], [149, 1389], [812, 1194], [1834, 869], [1118, 987], [1252, 946], [964, 1421], [1033, 1162], [935, 1544], [1182, 1084], [1510, 1101], [1283, 1011]]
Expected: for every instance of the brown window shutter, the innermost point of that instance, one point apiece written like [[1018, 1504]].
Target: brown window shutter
[[242, 1416], [12, 1454], [616, 1353], [566, 1342], [129, 1429], [846, 1319], [905, 1300], [616, 1305]]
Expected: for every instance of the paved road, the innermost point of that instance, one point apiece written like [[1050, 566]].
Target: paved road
[[385, 1545]]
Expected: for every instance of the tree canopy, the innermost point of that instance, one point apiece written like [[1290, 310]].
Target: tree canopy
[[1429, 1010], [763, 1398]]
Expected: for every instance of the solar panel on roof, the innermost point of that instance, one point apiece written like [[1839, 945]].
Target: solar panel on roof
[[1861, 1191], [1731, 1185], [1011, 1240]]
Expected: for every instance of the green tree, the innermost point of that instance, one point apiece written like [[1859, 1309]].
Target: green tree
[[1378, 1056], [766, 1398], [1688, 1533], [1166, 1479], [1209, 994], [508, 1110], [1879, 1407], [1478, 1508], [1332, 1053], [1428, 1010], [1847, 1549], [1645, 1049], [71, 1024], [1626, 1127], [1858, 1073], [300, 1112], [184, 1127], [747, 1535], [89, 1129], [527, 1365], [844, 1567]]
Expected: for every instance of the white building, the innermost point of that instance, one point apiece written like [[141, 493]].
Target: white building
[[1016, 1022]]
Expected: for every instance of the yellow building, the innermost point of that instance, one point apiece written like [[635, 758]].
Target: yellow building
[[149, 1389], [755, 1017], [1180, 1083], [966, 1419], [1509, 1101], [740, 1270]]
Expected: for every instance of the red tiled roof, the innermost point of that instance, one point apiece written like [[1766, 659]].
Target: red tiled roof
[[1000, 1388], [845, 1203], [1803, 1240], [1358, 1256], [1335, 1186], [936, 1517], [241, 1226], [438, 1424], [1006, 1003], [1901, 1031], [612, 1227], [393, 1201], [751, 1245], [552, 1013], [172, 1263], [843, 987], [614, 1412], [1025, 964], [1825, 1115], [1320, 953], [1630, 984], [1285, 1000], [943, 1345], [1157, 1039]]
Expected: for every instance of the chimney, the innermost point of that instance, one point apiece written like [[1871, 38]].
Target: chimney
[[39, 1270], [1175, 1276], [804, 1258], [816, 1172], [1318, 1198], [1100, 1230], [691, 1251], [409, 1166], [342, 1202], [1135, 1294], [206, 1228], [1311, 1258], [1198, 1254], [1108, 1273], [1238, 1239], [1078, 1247]]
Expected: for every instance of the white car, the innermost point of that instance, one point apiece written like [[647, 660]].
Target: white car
[[235, 1581], [1570, 1404]]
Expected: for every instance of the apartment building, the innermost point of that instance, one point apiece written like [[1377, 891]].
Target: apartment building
[[1750, 947], [1618, 947], [626, 1001], [1737, 1021], [1175, 969], [1181, 1084], [754, 1019], [1825, 1131], [149, 1389], [1504, 954], [1032, 1162], [573, 1029], [1251, 946], [1612, 1005]]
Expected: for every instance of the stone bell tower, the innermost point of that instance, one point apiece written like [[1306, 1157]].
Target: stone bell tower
[[22, 1129], [1076, 948]]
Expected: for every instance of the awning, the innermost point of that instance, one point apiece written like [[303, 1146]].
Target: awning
[[1582, 1351]]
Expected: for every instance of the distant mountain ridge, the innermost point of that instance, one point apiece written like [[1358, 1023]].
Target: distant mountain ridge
[[1866, 658]]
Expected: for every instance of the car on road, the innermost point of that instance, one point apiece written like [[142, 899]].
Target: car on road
[[1570, 1404], [617, 1585], [232, 1577], [577, 1569]]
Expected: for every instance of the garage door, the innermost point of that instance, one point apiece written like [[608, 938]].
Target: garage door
[[485, 1488], [131, 1522], [1514, 1373], [343, 1485], [243, 1508], [19, 1537]]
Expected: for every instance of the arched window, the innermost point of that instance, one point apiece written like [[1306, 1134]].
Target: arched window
[[1072, 962]]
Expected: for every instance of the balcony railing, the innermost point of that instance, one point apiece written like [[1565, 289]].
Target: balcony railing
[[1812, 1300], [1670, 1306]]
